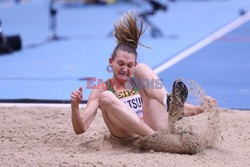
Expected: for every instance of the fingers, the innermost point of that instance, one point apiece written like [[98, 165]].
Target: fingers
[[211, 101], [76, 99], [76, 96]]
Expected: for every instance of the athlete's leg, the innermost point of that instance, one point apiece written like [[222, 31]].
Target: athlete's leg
[[154, 112], [154, 94], [120, 119], [149, 82]]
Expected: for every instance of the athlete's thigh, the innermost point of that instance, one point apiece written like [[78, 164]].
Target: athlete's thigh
[[114, 130], [154, 113]]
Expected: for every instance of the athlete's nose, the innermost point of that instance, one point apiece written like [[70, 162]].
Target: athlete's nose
[[125, 68]]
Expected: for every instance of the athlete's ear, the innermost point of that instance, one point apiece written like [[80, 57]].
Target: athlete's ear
[[110, 61]]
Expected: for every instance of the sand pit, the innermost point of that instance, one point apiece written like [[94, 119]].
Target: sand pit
[[43, 136]]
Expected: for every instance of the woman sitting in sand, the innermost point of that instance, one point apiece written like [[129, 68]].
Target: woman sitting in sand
[[121, 98]]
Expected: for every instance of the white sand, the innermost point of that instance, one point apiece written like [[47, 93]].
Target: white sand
[[43, 136]]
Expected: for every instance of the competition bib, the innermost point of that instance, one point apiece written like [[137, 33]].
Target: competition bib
[[132, 99]]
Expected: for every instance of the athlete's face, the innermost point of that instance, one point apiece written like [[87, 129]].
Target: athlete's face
[[122, 65]]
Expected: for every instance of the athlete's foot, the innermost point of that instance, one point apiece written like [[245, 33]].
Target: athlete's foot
[[176, 100]]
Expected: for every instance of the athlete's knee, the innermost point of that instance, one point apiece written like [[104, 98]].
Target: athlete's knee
[[106, 98], [140, 67]]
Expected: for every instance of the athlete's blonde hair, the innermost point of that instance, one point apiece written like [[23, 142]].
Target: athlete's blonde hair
[[127, 32]]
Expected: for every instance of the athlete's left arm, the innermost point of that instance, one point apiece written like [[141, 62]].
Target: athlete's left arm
[[190, 110]]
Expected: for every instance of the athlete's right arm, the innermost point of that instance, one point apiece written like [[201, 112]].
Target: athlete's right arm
[[81, 121]]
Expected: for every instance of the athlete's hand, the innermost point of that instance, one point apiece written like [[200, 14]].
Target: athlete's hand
[[76, 97], [209, 103]]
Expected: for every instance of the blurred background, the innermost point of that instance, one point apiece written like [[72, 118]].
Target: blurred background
[[49, 47]]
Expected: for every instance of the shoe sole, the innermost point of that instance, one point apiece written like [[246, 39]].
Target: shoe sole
[[180, 91]]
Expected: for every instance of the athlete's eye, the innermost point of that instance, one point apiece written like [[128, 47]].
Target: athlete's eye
[[120, 64], [130, 65]]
